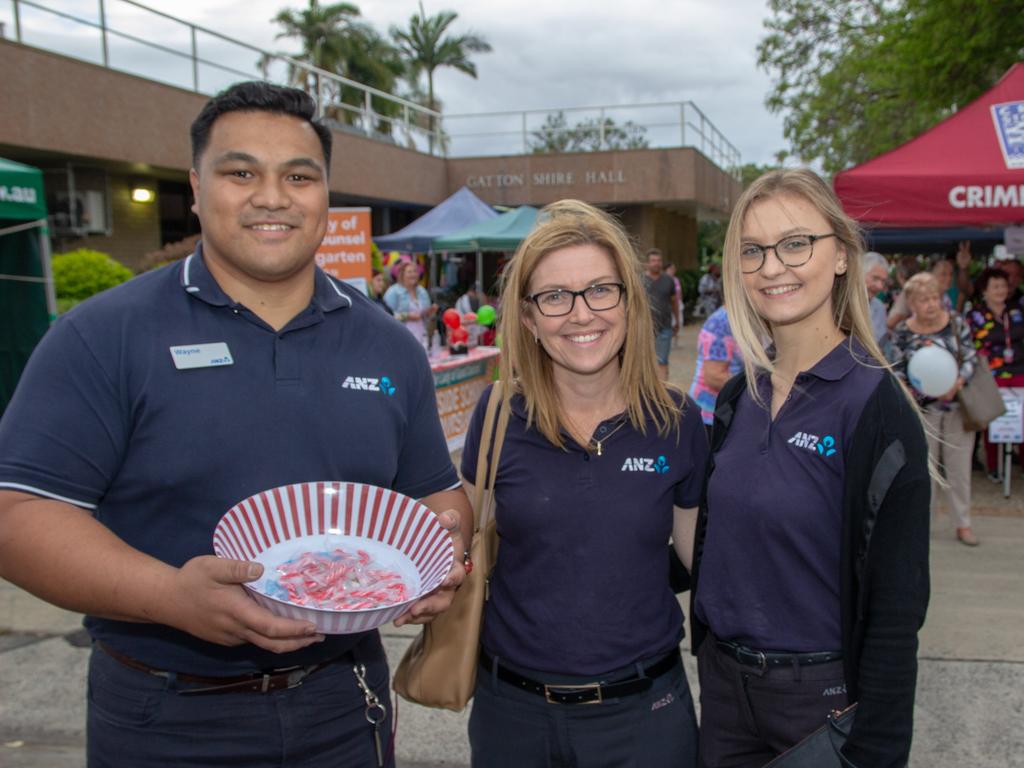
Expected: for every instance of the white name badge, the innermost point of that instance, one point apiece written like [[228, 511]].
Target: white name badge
[[201, 355]]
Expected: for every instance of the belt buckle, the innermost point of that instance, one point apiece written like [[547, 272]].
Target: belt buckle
[[762, 660], [549, 689], [296, 677], [293, 678]]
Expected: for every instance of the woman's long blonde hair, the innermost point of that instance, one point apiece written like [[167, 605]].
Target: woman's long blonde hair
[[525, 363], [849, 294]]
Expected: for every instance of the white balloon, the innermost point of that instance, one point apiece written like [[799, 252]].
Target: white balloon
[[932, 371]]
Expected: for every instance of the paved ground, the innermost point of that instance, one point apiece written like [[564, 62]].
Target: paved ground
[[971, 685]]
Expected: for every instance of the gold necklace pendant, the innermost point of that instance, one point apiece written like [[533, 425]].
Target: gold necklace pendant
[[599, 444]]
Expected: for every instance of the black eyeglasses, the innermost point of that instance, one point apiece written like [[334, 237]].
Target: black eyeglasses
[[599, 298], [792, 251]]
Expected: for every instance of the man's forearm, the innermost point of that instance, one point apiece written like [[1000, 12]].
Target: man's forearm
[[63, 555]]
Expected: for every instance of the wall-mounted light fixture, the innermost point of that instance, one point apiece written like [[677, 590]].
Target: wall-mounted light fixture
[[141, 194]]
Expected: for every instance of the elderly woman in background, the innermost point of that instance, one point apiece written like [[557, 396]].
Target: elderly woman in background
[[998, 332], [950, 445], [940, 267], [410, 302]]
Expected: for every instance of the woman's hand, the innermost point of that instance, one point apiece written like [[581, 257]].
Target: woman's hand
[[952, 392]]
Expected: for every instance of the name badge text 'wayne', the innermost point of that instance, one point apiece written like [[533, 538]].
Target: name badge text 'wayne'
[[201, 355]]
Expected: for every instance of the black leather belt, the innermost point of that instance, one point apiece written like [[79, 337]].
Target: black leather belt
[[763, 660], [256, 682], [588, 693]]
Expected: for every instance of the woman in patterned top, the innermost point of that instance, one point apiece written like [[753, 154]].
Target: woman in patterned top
[[949, 444], [998, 330]]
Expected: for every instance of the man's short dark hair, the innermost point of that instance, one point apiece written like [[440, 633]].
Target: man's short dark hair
[[258, 96], [654, 252]]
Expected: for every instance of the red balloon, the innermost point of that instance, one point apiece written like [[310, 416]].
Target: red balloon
[[459, 336], [451, 318]]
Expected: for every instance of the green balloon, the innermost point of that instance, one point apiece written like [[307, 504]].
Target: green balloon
[[485, 315]]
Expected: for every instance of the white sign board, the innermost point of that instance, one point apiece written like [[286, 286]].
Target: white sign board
[[1014, 239], [1009, 428]]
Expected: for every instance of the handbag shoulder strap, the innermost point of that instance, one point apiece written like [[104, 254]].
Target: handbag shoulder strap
[[492, 437], [957, 322]]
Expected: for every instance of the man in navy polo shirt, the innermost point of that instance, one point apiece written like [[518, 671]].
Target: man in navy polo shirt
[[151, 409]]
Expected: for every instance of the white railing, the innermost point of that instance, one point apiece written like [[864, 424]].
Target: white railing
[[581, 129], [121, 35]]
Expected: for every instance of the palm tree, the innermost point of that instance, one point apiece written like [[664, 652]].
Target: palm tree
[[372, 60], [427, 47], [322, 30], [334, 39]]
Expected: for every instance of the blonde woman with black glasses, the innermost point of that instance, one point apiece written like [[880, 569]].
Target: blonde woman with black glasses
[[601, 465], [811, 564]]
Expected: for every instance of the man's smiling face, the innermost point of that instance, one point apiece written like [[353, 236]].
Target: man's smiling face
[[261, 196]]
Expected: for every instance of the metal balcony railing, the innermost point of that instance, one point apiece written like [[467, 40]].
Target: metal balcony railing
[[589, 129], [130, 37], [123, 35]]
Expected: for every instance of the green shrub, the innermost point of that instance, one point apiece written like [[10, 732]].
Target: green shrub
[[688, 279], [77, 275]]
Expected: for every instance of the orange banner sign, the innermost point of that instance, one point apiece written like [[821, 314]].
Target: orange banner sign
[[345, 251]]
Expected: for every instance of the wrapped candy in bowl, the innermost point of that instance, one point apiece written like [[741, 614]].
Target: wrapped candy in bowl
[[348, 557]]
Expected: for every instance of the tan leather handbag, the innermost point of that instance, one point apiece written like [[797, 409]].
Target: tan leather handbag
[[439, 667], [980, 400]]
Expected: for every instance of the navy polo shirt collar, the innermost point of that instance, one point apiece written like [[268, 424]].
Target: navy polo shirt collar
[[841, 360], [518, 409], [197, 280], [836, 364]]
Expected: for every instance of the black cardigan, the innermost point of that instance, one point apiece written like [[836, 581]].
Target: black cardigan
[[884, 567]]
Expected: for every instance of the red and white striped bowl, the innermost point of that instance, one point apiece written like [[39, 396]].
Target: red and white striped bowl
[[398, 532]]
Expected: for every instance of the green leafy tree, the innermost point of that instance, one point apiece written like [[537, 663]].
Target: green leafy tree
[[427, 46], [552, 137], [333, 38], [372, 60], [750, 172], [855, 78], [321, 31], [555, 135]]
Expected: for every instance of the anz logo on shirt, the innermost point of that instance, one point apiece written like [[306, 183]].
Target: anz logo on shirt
[[659, 465], [824, 446], [369, 384]]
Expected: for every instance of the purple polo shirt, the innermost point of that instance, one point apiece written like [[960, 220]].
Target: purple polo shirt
[[581, 582], [769, 574]]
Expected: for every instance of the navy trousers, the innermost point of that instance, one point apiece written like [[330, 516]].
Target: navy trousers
[[748, 716], [511, 728], [141, 720]]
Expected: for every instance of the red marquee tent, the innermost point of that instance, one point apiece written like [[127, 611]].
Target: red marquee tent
[[968, 169]]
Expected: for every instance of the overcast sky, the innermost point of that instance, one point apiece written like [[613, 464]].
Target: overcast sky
[[550, 54]]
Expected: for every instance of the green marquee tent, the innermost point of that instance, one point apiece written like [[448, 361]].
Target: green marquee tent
[[503, 233], [27, 301]]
